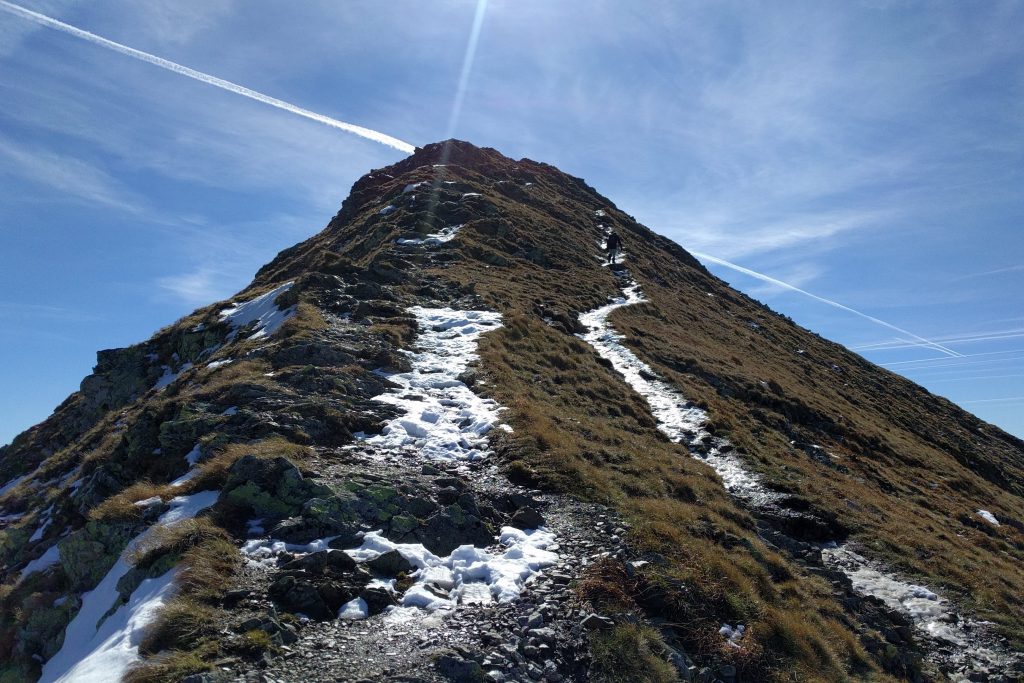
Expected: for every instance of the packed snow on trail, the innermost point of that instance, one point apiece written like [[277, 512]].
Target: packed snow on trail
[[442, 418], [930, 613], [97, 650], [677, 418], [468, 576], [262, 310]]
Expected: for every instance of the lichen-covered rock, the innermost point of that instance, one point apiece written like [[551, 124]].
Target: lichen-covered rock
[[88, 554], [391, 563], [42, 633], [179, 435], [136, 575], [318, 584], [96, 488], [12, 542], [270, 487], [120, 376]]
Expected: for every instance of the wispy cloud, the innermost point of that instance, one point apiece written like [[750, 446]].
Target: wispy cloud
[[221, 261], [10, 310], [72, 176], [361, 131], [196, 288], [734, 235], [946, 360]]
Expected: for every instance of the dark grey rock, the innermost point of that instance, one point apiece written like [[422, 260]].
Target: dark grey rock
[[391, 563], [527, 518], [459, 670]]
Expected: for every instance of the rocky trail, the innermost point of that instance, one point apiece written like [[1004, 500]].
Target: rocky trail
[[506, 610]]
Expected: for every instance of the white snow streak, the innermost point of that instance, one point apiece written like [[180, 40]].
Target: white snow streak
[[44, 561], [174, 67], [931, 614], [12, 483], [988, 517], [677, 418], [170, 376], [433, 239]]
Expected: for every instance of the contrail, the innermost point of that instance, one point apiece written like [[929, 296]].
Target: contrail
[[836, 304], [986, 336], [49, 22], [943, 361], [996, 400]]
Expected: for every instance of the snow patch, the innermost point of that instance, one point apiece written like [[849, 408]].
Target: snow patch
[[115, 645], [47, 520], [219, 363], [354, 609], [988, 517], [433, 239], [442, 418], [732, 635], [192, 457], [386, 210], [12, 483], [469, 575], [44, 561], [262, 310], [169, 376], [97, 650]]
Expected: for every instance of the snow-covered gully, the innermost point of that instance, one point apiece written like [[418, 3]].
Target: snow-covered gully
[[677, 417], [511, 599], [955, 639], [442, 418]]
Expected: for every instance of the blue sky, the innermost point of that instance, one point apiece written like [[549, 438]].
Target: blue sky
[[869, 153]]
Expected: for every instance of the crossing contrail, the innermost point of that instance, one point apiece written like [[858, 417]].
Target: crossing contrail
[[50, 22], [785, 285]]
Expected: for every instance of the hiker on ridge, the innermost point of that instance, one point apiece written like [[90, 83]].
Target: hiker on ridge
[[612, 246]]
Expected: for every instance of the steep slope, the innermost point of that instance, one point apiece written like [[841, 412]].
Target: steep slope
[[448, 415]]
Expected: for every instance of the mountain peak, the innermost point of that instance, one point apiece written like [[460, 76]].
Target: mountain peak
[[457, 434]]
